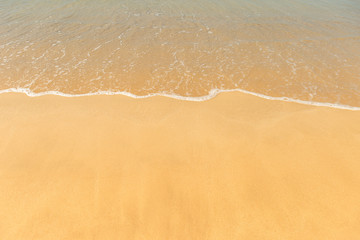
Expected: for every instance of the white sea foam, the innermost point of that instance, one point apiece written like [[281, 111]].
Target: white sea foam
[[213, 93]]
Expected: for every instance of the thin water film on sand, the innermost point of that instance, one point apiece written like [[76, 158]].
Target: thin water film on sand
[[301, 49]]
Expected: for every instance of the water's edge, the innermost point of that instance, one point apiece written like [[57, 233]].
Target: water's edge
[[213, 93]]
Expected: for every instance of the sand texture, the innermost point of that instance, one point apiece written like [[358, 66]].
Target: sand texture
[[235, 167]]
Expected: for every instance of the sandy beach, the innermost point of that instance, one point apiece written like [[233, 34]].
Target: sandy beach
[[234, 167]]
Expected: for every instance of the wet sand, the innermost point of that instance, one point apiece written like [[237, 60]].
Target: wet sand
[[234, 167]]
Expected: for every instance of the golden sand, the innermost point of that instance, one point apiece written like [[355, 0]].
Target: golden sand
[[234, 167]]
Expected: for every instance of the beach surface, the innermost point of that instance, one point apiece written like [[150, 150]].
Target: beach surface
[[234, 167]]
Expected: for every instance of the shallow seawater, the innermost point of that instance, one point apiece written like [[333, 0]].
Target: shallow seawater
[[301, 49]]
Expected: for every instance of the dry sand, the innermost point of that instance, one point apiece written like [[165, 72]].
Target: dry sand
[[234, 167]]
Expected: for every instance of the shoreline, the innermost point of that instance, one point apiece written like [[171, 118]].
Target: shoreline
[[235, 167], [212, 94]]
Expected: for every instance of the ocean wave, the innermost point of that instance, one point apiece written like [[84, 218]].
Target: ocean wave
[[213, 93]]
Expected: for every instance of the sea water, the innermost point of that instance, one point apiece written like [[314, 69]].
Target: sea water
[[300, 50]]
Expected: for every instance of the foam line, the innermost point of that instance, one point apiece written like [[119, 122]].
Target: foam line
[[213, 93]]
